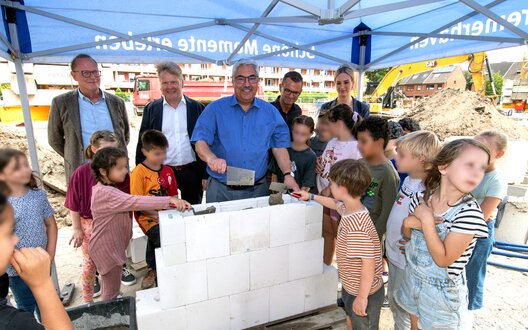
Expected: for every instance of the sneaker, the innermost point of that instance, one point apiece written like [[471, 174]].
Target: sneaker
[[385, 277], [149, 280], [97, 288], [385, 302], [127, 278]]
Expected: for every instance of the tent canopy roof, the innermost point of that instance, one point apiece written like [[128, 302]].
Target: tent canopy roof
[[288, 33]]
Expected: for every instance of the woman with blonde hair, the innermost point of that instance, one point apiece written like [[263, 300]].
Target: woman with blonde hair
[[344, 80]]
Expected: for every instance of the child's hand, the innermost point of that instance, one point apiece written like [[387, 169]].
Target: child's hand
[[319, 165], [402, 243], [77, 237], [424, 212], [412, 222], [33, 265], [179, 204], [359, 307], [302, 195]]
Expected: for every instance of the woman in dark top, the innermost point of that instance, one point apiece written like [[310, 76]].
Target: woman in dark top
[[344, 80]]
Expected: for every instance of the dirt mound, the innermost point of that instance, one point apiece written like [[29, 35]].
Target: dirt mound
[[52, 168], [452, 112]]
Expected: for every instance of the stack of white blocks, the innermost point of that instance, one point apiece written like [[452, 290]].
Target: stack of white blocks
[[245, 265]]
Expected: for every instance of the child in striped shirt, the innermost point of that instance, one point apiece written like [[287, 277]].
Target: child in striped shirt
[[443, 227], [358, 248]]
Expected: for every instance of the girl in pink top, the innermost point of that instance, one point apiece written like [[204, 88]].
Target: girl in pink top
[[112, 224], [343, 146]]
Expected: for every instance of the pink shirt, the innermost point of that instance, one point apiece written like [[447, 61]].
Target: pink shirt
[[335, 151], [112, 223]]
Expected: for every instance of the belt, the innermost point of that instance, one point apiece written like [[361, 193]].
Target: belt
[[257, 183], [183, 167]]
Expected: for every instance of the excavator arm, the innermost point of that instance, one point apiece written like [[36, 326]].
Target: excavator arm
[[476, 68]]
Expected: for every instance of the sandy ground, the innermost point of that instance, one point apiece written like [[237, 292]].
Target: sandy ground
[[506, 297]]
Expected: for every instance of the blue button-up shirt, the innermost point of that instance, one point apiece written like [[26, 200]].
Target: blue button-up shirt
[[94, 117], [242, 138]]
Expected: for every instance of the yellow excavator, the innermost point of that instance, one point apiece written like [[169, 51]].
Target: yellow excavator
[[381, 98]]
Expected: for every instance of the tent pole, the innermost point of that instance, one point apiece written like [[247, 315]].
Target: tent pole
[[28, 123], [362, 55]]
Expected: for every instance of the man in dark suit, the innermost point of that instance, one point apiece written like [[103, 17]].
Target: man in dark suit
[[76, 115], [175, 115]]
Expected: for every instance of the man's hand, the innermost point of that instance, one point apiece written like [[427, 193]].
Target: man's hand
[[291, 183], [77, 237], [179, 204], [217, 165], [359, 307], [33, 266]]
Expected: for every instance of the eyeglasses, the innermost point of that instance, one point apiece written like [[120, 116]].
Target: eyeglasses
[[87, 74], [290, 92], [253, 79]]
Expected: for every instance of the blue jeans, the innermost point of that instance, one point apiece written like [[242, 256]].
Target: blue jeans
[[23, 297], [476, 268]]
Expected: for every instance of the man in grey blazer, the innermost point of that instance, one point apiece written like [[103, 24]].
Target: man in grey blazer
[[76, 115]]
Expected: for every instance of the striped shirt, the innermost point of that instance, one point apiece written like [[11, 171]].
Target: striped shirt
[[112, 224], [470, 221], [357, 239]]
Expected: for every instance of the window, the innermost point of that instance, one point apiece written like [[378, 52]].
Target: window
[[429, 87], [419, 87], [410, 87], [439, 87], [269, 82], [143, 85]]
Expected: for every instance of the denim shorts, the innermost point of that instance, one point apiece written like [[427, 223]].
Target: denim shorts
[[439, 304]]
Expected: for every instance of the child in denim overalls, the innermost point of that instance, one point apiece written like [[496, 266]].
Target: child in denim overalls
[[443, 228]]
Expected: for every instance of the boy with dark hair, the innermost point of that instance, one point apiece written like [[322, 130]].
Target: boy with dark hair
[[152, 178], [358, 248], [373, 136], [409, 125]]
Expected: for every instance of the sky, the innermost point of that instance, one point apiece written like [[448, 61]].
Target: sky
[[513, 54]]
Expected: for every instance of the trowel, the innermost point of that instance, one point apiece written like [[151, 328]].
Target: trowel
[[237, 176]]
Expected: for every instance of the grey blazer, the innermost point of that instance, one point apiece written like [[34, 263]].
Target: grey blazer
[[64, 127]]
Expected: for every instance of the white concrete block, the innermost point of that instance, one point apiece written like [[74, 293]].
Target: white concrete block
[[262, 201], [137, 245], [314, 212], [174, 254], [268, 267], [227, 275], [287, 224], [210, 314], [306, 259], [313, 231], [207, 236], [172, 227], [238, 205], [249, 230], [249, 309], [181, 284], [149, 314], [286, 299], [321, 290]]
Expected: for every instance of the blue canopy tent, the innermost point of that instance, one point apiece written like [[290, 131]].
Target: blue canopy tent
[[367, 34]]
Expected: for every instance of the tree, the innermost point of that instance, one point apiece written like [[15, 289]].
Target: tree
[[469, 80], [498, 81], [376, 75]]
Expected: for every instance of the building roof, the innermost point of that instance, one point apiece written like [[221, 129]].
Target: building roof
[[416, 79], [513, 72], [440, 75], [501, 67]]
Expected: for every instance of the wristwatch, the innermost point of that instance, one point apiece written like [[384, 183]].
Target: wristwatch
[[290, 174]]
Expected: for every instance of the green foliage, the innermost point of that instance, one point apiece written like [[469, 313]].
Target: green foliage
[[124, 95], [376, 75], [498, 82], [306, 97], [2, 87], [469, 80]]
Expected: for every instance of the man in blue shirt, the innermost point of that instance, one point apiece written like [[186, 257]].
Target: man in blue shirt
[[238, 131]]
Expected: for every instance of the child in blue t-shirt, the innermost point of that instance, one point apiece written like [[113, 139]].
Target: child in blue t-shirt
[[488, 194]]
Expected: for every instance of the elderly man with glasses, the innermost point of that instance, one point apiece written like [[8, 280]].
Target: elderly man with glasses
[[76, 115], [238, 131]]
